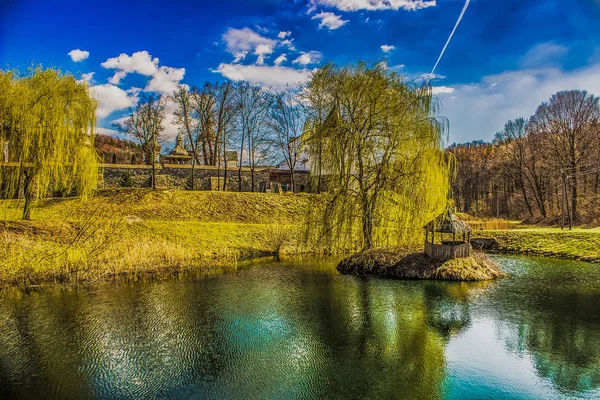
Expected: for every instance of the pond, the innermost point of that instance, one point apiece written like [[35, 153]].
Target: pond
[[301, 330]]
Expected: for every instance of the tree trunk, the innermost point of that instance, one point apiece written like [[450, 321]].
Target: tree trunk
[[574, 200], [28, 195], [224, 168], [367, 227], [193, 167], [153, 169], [293, 180]]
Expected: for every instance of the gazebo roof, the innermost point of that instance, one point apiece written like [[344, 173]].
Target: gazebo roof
[[447, 222]]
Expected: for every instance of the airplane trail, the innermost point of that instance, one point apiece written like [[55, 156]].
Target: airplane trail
[[449, 38]]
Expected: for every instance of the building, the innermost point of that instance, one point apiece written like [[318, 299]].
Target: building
[[447, 224], [179, 155]]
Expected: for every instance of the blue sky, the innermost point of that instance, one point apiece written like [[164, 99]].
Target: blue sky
[[505, 58]]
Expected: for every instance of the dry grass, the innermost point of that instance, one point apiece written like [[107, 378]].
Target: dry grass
[[140, 231], [403, 263], [488, 223]]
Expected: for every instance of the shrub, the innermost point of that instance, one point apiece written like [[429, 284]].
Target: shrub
[[126, 180]]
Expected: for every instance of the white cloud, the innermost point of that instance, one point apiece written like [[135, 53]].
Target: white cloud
[[277, 77], [112, 98], [165, 80], [355, 5], [288, 43], [307, 58], [78, 55], [386, 48], [329, 20], [116, 78], [284, 34], [428, 75], [239, 56], [262, 50], [543, 54], [245, 39], [140, 62], [87, 77], [281, 59], [477, 111], [171, 130], [441, 90], [396, 68]]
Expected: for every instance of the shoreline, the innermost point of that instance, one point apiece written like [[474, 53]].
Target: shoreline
[[133, 232], [577, 244]]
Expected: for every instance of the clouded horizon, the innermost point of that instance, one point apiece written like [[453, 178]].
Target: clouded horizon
[[505, 58]]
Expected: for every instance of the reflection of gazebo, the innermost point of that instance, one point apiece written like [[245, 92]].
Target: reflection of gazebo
[[179, 155], [447, 223]]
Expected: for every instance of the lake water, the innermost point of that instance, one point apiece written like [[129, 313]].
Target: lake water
[[300, 330]]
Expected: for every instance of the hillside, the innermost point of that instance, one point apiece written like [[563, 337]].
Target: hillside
[[135, 231], [118, 151]]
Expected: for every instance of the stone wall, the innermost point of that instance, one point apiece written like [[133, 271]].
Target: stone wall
[[179, 176]]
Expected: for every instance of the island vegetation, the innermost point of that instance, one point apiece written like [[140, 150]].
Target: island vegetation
[[379, 172]]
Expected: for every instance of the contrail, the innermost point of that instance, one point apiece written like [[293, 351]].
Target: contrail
[[449, 38]]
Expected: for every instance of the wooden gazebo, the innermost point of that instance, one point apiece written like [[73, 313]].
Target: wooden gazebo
[[447, 224]]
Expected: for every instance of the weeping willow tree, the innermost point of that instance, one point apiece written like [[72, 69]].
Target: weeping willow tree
[[47, 120], [375, 140]]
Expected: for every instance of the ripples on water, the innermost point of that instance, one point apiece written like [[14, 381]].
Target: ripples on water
[[300, 330]]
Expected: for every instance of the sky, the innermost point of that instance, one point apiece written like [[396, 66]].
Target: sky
[[504, 59]]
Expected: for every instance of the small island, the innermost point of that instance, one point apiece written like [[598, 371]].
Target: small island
[[447, 260]]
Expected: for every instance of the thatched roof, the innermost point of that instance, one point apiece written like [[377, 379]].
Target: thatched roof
[[447, 222]]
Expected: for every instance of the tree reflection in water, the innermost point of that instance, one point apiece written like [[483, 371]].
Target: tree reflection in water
[[291, 330], [553, 314]]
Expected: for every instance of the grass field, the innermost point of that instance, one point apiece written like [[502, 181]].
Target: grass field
[[135, 231], [576, 244]]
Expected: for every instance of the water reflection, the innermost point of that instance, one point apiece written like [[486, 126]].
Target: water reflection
[[300, 330], [554, 315]]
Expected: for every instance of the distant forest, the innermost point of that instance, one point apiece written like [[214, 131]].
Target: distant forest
[[118, 151], [535, 163]]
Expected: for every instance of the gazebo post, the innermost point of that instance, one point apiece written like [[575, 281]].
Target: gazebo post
[[469, 241]]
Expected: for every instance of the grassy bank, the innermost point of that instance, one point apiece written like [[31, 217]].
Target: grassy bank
[[140, 231], [577, 244]]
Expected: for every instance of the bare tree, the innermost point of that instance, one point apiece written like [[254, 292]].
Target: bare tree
[[145, 124], [225, 111], [568, 124], [253, 104], [184, 118], [286, 121]]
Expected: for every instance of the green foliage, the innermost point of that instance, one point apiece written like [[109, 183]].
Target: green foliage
[[47, 120], [377, 146]]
